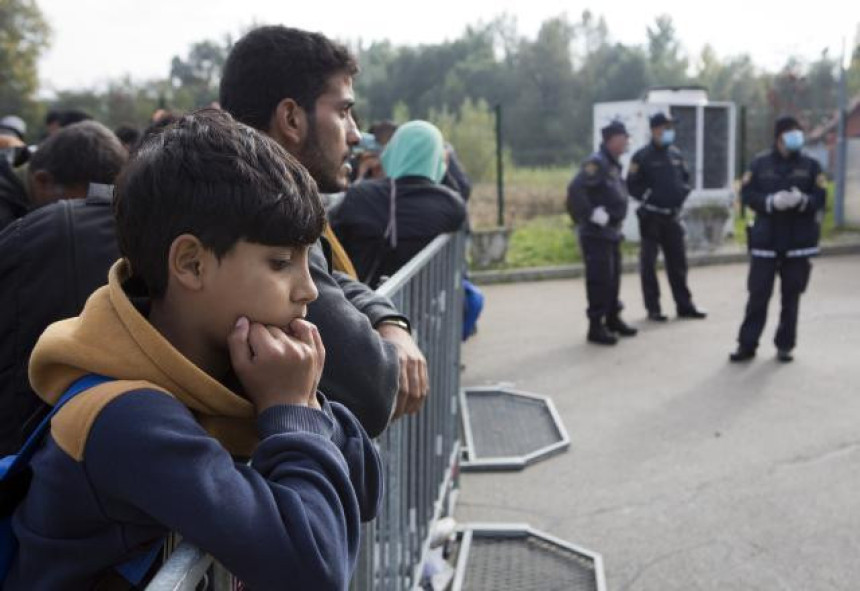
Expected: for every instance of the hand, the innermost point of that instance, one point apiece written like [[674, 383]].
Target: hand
[[782, 200], [599, 216], [414, 382], [277, 367], [797, 198]]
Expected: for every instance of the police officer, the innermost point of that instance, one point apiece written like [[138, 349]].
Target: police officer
[[786, 190], [597, 202], [659, 179]]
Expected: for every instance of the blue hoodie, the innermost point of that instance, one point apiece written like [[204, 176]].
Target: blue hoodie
[[155, 452]]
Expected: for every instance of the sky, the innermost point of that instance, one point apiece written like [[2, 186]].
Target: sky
[[98, 40]]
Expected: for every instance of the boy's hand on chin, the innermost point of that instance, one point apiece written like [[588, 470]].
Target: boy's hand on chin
[[277, 367]]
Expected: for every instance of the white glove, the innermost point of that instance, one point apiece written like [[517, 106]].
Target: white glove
[[797, 198], [599, 216], [782, 200]]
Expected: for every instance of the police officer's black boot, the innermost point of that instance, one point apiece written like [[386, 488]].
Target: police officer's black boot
[[618, 326], [742, 354], [598, 334], [784, 356]]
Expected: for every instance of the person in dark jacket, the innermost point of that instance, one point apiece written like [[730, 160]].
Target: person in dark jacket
[[383, 223], [787, 191], [297, 87], [62, 168], [597, 202], [659, 179], [53, 258], [51, 261]]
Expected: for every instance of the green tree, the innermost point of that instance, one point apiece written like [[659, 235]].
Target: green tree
[[540, 122], [194, 80], [472, 133], [665, 54], [24, 35]]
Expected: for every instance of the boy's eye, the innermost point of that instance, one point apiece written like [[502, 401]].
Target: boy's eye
[[279, 264]]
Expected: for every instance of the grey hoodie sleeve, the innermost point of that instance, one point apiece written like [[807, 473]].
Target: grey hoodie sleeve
[[376, 307], [362, 370]]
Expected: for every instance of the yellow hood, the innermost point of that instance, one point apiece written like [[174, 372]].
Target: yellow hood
[[111, 338]]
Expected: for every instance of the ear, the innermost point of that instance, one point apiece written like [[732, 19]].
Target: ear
[[290, 124], [187, 261], [41, 187], [42, 178]]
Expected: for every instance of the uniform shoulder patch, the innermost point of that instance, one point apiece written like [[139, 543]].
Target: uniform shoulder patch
[[591, 168], [634, 167], [821, 180], [746, 178]]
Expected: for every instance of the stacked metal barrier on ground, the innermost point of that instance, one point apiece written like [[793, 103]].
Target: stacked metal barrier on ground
[[420, 453]]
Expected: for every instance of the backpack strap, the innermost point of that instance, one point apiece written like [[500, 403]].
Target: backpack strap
[[34, 440]]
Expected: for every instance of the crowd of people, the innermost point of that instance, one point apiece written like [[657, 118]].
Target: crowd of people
[[192, 342], [191, 336]]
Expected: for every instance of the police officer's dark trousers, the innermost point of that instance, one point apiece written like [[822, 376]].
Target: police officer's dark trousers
[[659, 231], [602, 276], [794, 277]]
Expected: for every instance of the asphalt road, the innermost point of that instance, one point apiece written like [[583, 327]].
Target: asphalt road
[[687, 472]]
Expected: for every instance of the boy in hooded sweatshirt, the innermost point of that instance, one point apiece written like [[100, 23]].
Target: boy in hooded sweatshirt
[[201, 331]]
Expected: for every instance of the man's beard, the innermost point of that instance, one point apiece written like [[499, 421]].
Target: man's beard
[[313, 158]]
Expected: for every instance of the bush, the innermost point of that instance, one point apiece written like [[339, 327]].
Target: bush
[[472, 133]]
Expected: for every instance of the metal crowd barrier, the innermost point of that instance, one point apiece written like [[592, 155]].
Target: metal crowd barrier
[[420, 453]]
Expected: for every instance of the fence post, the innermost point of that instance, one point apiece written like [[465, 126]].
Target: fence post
[[500, 169], [841, 148]]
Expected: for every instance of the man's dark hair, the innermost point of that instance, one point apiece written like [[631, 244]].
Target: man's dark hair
[[128, 134], [72, 116], [83, 153], [270, 64], [52, 117], [217, 179]]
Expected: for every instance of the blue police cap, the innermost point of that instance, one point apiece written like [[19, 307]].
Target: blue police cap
[[613, 129]]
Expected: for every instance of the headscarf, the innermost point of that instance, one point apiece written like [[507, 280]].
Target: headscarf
[[417, 148]]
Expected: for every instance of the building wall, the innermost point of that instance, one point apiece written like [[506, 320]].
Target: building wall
[[852, 183]]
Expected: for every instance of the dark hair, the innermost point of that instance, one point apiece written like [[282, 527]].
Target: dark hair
[[270, 64], [83, 153], [217, 179], [165, 119], [128, 134], [783, 124], [73, 116], [52, 117]]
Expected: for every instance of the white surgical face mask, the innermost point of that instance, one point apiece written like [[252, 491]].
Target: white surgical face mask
[[667, 138], [793, 140]]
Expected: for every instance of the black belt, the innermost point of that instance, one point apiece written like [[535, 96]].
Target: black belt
[[661, 210]]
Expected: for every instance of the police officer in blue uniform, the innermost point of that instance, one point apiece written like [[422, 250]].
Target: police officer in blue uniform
[[659, 179], [787, 191], [597, 202]]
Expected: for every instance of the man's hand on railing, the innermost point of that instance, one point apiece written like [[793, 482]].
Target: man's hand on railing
[[414, 382]]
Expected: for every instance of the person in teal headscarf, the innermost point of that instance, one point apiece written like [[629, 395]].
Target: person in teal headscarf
[[383, 223], [416, 149]]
